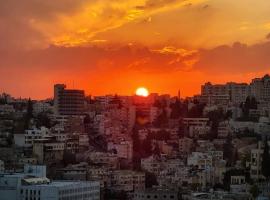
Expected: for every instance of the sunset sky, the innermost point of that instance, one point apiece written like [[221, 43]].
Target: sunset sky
[[116, 46]]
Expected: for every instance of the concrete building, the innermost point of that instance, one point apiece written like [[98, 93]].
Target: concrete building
[[101, 174], [101, 158], [127, 180], [151, 164], [37, 188], [68, 101], [234, 92], [123, 149], [238, 184], [40, 107], [260, 88], [256, 161], [202, 160], [74, 172], [10, 183], [197, 126], [32, 184], [238, 92]]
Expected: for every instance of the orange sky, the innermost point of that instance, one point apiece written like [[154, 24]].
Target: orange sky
[[115, 46]]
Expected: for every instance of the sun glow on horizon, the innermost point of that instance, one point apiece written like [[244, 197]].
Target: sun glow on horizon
[[141, 91]]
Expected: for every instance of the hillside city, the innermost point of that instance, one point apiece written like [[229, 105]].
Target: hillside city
[[214, 145]]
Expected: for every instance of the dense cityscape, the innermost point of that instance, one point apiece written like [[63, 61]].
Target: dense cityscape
[[214, 145]]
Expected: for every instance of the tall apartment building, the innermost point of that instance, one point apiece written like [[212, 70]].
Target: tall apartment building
[[210, 89], [260, 88], [235, 92], [68, 101], [238, 92]]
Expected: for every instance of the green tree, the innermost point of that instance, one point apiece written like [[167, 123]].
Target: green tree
[[266, 161]]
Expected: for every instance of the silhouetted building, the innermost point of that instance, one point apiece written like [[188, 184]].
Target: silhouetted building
[[260, 88], [67, 101]]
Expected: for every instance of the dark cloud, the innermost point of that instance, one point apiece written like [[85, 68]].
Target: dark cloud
[[206, 6], [81, 59], [238, 58], [268, 36]]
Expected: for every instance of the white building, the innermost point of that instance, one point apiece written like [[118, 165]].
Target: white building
[[260, 88], [59, 190], [30, 136], [33, 184], [40, 107], [202, 160], [234, 92], [197, 126]]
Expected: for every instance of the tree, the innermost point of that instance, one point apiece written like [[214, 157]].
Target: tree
[[29, 114], [253, 103], [69, 158], [156, 151], [196, 110], [147, 146], [228, 151], [266, 161], [250, 103], [162, 119], [176, 109], [150, 180], [254, 190], [3, 98], [43, 120], [137, 150]]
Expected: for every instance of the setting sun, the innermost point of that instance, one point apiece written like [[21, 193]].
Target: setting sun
[[142, 92]]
